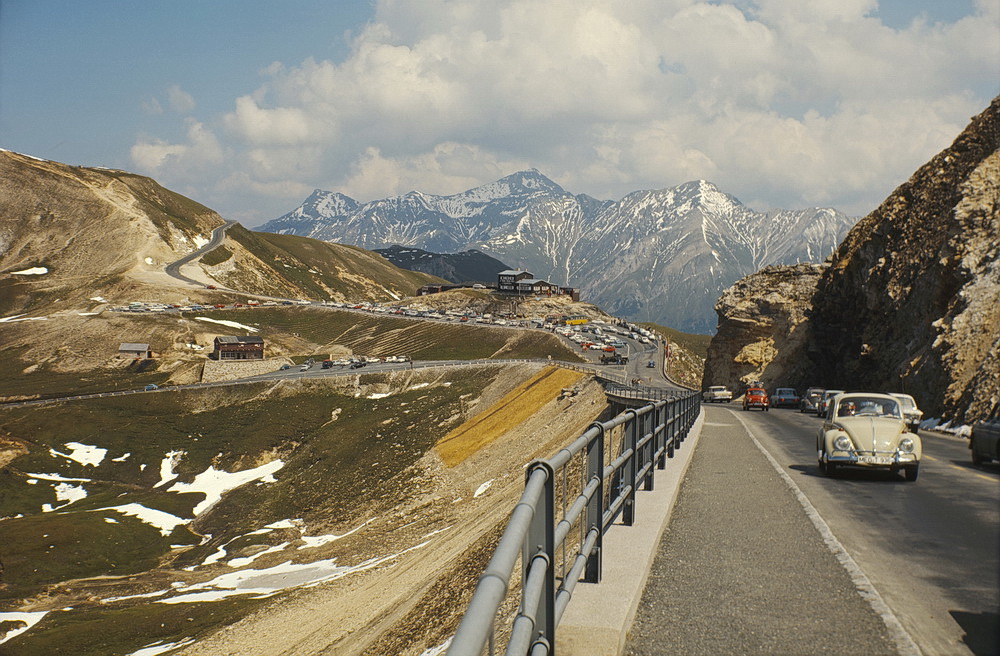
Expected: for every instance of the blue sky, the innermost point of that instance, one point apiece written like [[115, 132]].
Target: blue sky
[[247, 106]]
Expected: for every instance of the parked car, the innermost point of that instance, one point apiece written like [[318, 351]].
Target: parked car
[[651, 364], [811, 399], [327, 364], [911, 413], [785, 397], [756, 397], [305, 367], [717, 394], [867, 429], [284, 367], [827, 395], [358, 364], [985, 438]]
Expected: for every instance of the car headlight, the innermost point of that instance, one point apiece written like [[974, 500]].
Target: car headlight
[[842, 443], [906, 445]]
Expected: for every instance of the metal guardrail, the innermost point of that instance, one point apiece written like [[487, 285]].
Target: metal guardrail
[[543, 541]]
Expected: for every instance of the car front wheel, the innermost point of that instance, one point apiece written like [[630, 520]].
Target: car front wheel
[[910, 472]]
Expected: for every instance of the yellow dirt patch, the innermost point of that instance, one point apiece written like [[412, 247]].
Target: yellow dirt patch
[[513, 409]]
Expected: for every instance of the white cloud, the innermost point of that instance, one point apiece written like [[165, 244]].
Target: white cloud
[[180, 101], [783, 102]]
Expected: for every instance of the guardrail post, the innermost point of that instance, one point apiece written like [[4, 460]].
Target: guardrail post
[[540, 538], [631, 431], [648, 428], [661, 435], [594, 516]]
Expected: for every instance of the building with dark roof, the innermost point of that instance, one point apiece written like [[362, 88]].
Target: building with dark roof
[[239, 347]]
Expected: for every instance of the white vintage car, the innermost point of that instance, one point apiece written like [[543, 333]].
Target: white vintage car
[[864, 429]]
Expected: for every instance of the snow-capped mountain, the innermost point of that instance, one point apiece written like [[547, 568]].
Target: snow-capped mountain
[[662, 256]]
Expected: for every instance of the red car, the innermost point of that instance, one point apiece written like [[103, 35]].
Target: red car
[[756, 397]]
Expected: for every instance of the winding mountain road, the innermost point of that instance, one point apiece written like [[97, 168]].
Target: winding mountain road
[[174, 268]]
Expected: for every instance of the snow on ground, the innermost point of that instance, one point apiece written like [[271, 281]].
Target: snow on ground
[[214, 483], [231, 324], [160, 647], [30, 620], [33, 271], [200, 241], [481, 490], [167, 467], [17, 317], [241, 562], [378, 395], [149, 260], [55, 477], [66, 492], [84, 454], [99, 299], [156, 518]]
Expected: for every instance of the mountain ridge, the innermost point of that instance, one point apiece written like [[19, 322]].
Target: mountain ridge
[[637, 256]]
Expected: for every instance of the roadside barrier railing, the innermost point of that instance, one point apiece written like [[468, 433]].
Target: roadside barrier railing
[[554, 557]]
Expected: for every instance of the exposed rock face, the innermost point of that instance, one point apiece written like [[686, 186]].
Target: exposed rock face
[[759, 315], [910, 301]]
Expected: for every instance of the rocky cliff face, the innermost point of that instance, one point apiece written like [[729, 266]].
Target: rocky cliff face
[[763, 332], [910, 301]]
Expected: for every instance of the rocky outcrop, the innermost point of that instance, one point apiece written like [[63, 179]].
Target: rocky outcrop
[[910, 301], [763, 334]]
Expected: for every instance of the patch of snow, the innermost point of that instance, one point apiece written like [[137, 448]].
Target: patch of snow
[[378, 395], [156, 518], [99, 299], [390, 293], [214, 483], [200, 241], [240, 562], [167, 467], [122, 458], [437, 651], [160, 647], [149, 260], [17, 317], [320, 540], [33, 271], [84, 454], [231, 324], [88, 314], [68, 493], [29, 619], [420, 385], [56, 477], [481, 490]]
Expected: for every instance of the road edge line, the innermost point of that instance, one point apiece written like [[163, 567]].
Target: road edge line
[[901, 638]]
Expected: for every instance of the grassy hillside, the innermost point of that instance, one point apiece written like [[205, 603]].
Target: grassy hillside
[[352, 488], [299, 267]]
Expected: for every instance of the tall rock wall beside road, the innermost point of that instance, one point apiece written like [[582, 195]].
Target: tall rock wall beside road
[[910, 301], [763, 333]]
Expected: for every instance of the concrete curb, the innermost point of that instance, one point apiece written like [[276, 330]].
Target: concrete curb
[[598, 617]]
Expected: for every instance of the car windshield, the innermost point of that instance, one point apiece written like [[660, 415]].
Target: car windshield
[[906, 402], [865, 406]]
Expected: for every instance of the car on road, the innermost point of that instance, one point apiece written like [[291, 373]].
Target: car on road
[[810, 399], [756, 397], [984, 441], [717, 394], [150, 388], [867, 429], [911, 413], [785, 397], [305, 367], [358, 364], [284, 367], [827, 395], [651, 364]]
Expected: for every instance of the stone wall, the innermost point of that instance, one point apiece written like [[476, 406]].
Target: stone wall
[[216, 371]]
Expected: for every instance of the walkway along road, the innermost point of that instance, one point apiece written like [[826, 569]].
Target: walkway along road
[[765, 555]]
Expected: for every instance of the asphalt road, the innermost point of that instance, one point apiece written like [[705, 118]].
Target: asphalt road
[[745, 568], [174, 268]]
